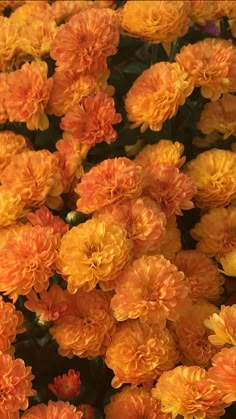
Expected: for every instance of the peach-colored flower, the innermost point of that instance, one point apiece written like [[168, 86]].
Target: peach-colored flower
[[36, 38], [10, 144], [64, 10], [171, 189], [35, 176], [3, 90], [152, 289], [90, 122], [50, 305], [11, 324], [189, 392], [28, 261], [118, 179], [139, 353], [201, 273], [66, 386], [156, 21], [211, 64], [134, 402], [93, 252], [223, 374], [85, 42], [16, 384], [219, 116], [223, 325], [214, 174], [11, 207], [157, 94], [53, 410], [86, 329], [44, 218], [162, 152], [9, 35], [202, 11], [27, 94], [170, 244]]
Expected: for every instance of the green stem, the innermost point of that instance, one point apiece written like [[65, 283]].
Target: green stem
[[225, 31], [174, 50], [154, 56]]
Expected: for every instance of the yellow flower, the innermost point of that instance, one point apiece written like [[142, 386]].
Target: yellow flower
[[163, 152], [223, 325]]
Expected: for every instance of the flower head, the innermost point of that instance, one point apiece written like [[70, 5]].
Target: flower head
[[223, 325], [10, 144], [170, 244], [53, 410], [67, 386], [3, 90], [9, 35], [162, 152], [64, 10], [44, 218], [11, 324], [32, 10], [36, 38], [222, 373], [87, 410], [11, 207], [202, 11]]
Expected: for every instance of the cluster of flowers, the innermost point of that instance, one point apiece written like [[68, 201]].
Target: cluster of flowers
[[131, 292]]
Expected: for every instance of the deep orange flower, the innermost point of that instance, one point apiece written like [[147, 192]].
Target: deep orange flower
[[93, 252], [53, 410], [170, 244], [152, 289], [134, 402], [87, 410], [162, 152], [11, 324], [86, 329], [211, 64], [43, 217], [28, 262], [91, 121], [223, 374], [202, 11], [16, 384], [13, 415], [27, 94], [201, 273], [214, 174], [11, 207], [118, 179], [188, 391], [223, 325], [85, 42], [10, 144], [9, 35], [67, 386], [157, 94], [156, 21]]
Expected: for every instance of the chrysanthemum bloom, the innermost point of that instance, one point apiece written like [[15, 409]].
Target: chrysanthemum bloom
[[94, 251], [85, 42], [15, 383], [53, 410], [171, 189], [28, 262], [139, 353], [223, 373], [9, 43], [27, 94], [192, 336], [36, 38], [118, 179], [152, 289], [50, 305], [134, 402], [170, 244], [189, 392], [11, 207], [157, 94], [219, 116], [214, 174], [10, 144], [87, 410], [202, 11], [223, 325], [228, 262], [13, 415], [201, 273], [64, 10], [11, 324], [35, 176], [162, 152], [32, 10], [86, 329], [210, 62], [156, 21], [225, 8], [44, 218], [90, 122], [3, 89], [11, 231], [143, 220], [66, 386]]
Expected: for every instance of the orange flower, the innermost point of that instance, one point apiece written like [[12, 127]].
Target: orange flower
[[93, 252], [86, 329], [3, 90], [210, 63], [85, 42], [228, 263], [16, 384], [91, 121], [11, 231], [9, 35], [87, 410], [226, 8], [152, 289], [12, 4], [53, 410], [28, 91], [202, 11], [171, 189], [11, 207], [188, 391], [157, 94], [11, 324], [223, 373], [118, 179], [10, 144], [139, 353], [219, 116], [162, 152], [201, 273], [156, 21], [170, 244], [28, 262], [67, 386], [223, 325], [51, 305], [13, 415], [31, 10], [64, 10], [36, 37], [35, 176], [134, 402], [214, 174], [44, 218]]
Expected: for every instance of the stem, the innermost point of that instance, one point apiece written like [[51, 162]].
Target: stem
[[225, 31], [154, 57], [174, 50]]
